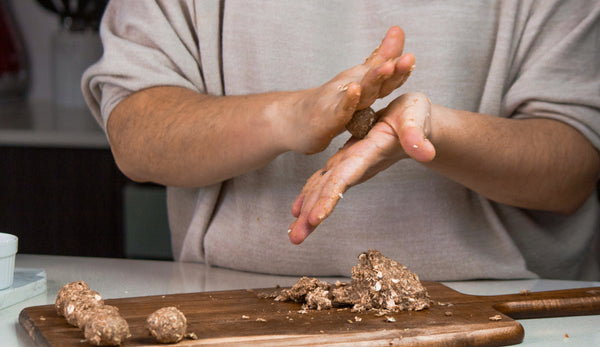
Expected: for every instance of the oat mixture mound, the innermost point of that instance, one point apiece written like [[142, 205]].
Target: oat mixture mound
[[106, 329], [382, 283], [167, 325], [378, 283]]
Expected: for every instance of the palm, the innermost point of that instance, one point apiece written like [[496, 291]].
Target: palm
[[355, 163], [400, 133], [325, 110]]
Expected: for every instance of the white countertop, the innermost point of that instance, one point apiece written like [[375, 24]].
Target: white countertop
[[118, 278]]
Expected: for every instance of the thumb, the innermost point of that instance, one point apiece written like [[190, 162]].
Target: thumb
[[410, 117]]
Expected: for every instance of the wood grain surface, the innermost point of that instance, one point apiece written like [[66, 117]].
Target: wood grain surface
[[240, 317]]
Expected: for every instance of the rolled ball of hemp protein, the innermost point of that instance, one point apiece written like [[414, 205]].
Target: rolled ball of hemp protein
[[84, 300], [167, 325], [106, 329], [67, 293], [361, 123]]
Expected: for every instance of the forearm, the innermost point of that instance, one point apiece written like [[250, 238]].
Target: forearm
[[177, 137], [531, 163]]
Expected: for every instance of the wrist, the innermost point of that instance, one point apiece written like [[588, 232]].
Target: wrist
[[283, 112], [299, 122], [440, 123]]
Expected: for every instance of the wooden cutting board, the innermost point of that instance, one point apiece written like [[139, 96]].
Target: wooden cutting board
[[240, 317]]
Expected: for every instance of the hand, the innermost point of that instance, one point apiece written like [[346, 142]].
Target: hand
[[321, 113], [401, 132]]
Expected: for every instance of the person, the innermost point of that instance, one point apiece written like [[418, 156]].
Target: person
[[483, 164]]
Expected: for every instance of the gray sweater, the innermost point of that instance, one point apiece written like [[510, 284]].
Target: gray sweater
[[518, 59]]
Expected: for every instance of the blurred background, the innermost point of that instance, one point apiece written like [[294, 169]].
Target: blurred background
[[60, 191]]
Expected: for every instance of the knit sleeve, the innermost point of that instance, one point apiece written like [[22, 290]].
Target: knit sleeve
[[146, 44], [555, 72]]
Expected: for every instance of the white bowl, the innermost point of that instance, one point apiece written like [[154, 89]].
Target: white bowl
[[8, 249]]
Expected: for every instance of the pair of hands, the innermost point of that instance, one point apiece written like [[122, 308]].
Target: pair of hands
[[400, 133]]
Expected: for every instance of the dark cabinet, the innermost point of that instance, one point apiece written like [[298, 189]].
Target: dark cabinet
[[64, 201]]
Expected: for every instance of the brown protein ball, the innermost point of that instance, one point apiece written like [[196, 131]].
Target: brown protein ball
[[167, 325], [79, 302], [66, 293], [106, 329], [362, 121], [83, 317]]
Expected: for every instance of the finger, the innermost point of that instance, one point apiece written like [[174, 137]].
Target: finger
[[328, 198], [304, 207], [297, 234], [297, 206], [350, 171], [404, 66], [390, 48], [311, 185], [372, 82], [408, 116], [310, 195], [408, 110], [406, 62], [416, 145], [299, 230]]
